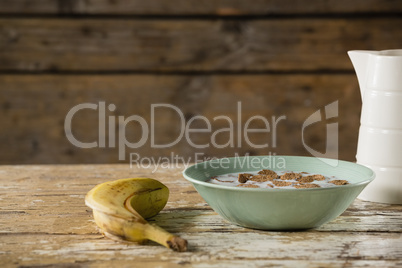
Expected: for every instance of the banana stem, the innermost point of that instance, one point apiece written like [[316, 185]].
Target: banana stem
[[159, 235]]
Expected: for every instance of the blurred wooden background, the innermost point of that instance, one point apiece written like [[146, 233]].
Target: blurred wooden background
[[276, 57]]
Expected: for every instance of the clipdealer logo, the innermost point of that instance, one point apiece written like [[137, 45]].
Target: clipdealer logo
[[236, 132]]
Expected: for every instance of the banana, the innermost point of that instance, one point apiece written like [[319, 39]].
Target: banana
[[120, 208]]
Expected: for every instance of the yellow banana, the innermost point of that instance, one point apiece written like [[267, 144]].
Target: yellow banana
[[120, 208]]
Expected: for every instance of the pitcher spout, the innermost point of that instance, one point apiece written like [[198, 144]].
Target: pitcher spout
[[360, 60]]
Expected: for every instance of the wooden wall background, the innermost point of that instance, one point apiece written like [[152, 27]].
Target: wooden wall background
[[276, 57]]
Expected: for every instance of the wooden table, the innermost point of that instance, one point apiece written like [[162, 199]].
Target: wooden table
[[44, 221]]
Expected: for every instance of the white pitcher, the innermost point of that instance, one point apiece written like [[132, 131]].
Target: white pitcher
[[380, 137]]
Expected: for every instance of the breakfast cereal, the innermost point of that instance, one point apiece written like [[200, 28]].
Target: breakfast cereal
[[277, 179]]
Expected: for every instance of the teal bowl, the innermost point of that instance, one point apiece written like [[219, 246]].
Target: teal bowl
[[279, 209]]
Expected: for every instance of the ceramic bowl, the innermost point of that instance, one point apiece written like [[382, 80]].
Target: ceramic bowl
[[279, 209]]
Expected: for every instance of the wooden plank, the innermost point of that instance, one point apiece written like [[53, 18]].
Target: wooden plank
[[192, 7], [34, 110], [60, 45], [284, 249], [37, 208], [55, 194], [45, 222]]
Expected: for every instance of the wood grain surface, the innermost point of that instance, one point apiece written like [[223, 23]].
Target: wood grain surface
[[44, 222], [197, 7], [276, 57], [34, 109], [90, 45]]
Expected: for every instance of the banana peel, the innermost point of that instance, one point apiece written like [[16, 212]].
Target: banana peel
[[121, 207]]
